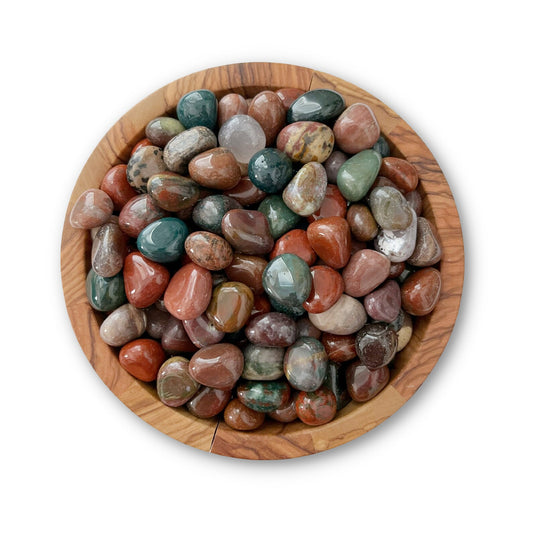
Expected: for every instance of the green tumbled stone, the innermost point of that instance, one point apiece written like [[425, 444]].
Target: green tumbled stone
[[357, 174], [198, 108], [105, 294], [280, 218], [382, 147], [209, 212], [263, 363], [318, 105], [270, 170], [287, 280], [264, 396], [163, 240], [294, 311], [306, 364], [335, 381]]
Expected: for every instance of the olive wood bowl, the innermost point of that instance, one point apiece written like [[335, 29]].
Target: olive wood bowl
[[273, 440]]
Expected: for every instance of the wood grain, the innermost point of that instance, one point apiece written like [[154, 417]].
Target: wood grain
[[273, 440]]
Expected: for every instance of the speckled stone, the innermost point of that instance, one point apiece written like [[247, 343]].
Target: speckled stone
[[271, 329], [306, 141], [270, 170], [306, 191], [198, 108], [175, 386], [208, 250], [263, 363], [143, 164], [376, 345], [264, 396], [305, 364]]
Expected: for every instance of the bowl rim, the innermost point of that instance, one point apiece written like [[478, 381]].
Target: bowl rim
[[274, 440]]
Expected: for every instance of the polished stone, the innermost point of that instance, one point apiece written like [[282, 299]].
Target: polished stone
[[198, 108], [365, 271], [105, 294], [208, 402], [231, 306], [270, 170], [287, 95], [427, 250], [317, 407], [327, 287], [243, 135], [246, 193], [317, 105], [202, 332], [174, 338], [280, 218], [383, 304], [357, 129], [229, 105], [142, 358], [173, 192], [163, 240], [175, 386], [376, 345], [138, 212], [209, 212], [208, 250], [390, 208], [364, 384], [271, 329], [344, 317], [247, 231], [306, 141], [215, 169], [340, 348], [218, 366], [182, 148], [357, 174], [247, 269], [267, 108], [108, 250], [362, 224], [124, 324], [287, 411], [264, 396], [92, 209], [421, 291], [333, 163], [115, 184], [402, 173], [330, 239], [305, 364], [294, 242], [161, 129], [143, 164], [263, 363], [306, 191], [333, 205], [238, 416], [398, 245]]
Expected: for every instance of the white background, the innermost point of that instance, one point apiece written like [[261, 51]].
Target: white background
[[457, 457]]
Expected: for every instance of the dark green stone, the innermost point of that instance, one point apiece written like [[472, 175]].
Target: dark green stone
[[270, 170], [280, 218], [264, 396], [357, 174], [163, 240], [209, 212], [287, 280], [105, 294], [382, 147], [318, 105], [335, 381], [294, 311], [198, 108]]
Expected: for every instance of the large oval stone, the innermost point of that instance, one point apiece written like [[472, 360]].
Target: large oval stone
[[362, 224], [182, 148], [306, 191], [390, 208], [317, 407], [263, 363], [306, 141], [363, 383], [163, 240], [356, 129], [215, 169], [270, 170], [330, 238], [208, 250], [105, 294], [263, 396], [209, 212], [305, 364], [344, 317], [271, 329], [356, 175], [143, 164], [376, 345], [175, 386], [365, 271], [317, 105], [421, 291], [173, 192], [208, 402], [280, 218], [198, 108], [402, 173], [218, 366], [243, 135], [142, 358], [124, 324], [247, 231], [268, 110], [231, 306]]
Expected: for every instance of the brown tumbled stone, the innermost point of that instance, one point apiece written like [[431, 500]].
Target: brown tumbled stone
[[238, 416], [356, 129], [421, 291], [362, 224], [427, 250], [365, 271], [402, 173], [216, 169], [218, 366], [267, 108]]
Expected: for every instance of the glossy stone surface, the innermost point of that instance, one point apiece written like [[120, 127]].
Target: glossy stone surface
[[142, 358], [145, 280], [202, 332], [304, 328], [317, 407], [280, 218], [270, 170], [140, 144], [421, 291], [333, 205], [286, 412], [247, 269], [330, 238], [182, 148], [173, 192], [175, 386], [115, 184], [264, 396], [362, 224], [105, 294], [294, 311], [305, 364], [398, 245], [375, 345], [174, 338], [268, 110], [208, 250], [383, 304], [356, 175], [108, 250], [215, 169], [333, 163], [218, 366], [163, 240], [295, 242], [427, 250], [317, 105], [246, 193], [92, 208], [344, 317], [208, 402], [362, 383], [357, 129], [161, 129], [402, 173], [287, 95], [390, 208], [340, 348], [189, 292], [124, 324], [335, 381], [156, 319], [140, 211], [306, 191], [230, 306], [287, 280], [403, 325], [396, 270], [229, 105], [261, 305], [247, 231], [263, 363], [238, 416], [143, 164], [271, 329], [198, 108], [365, 271], [306, 141], [327, 287], [209, 211], [382, 147], [243, 135], [415, 201]]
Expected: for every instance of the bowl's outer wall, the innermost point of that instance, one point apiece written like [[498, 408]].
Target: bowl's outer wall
[[274, 440]]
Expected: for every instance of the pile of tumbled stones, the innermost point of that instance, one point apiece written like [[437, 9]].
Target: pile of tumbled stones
[[260, 257]]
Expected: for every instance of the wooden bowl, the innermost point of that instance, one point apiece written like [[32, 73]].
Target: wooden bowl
[[274, 440]]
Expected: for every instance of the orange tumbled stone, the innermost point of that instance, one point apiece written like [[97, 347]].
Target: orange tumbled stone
[[295, 242], [142, 358], [330, 238], [421, 291], [238, 416], [333, 205], [326, 289], [231, 306]]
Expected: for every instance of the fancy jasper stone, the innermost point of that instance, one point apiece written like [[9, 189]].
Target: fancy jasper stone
[[421, 291], [142, 358], [209, 211], [208, 250], [271, 329], [363, 383], [320, 105], [218, 365], [326, 289], [216, 169], [356, 129], [366, 270], [280, 218], [287, 280], [270, 170], [238, 416], [231, 306], [247, 269], [173, 192], [161, 129], [384, 303], [357, 174], [115, 184], [93, 208], [208, 402], [295, 242], [305, 364], [198, 108], [247, 231], [143, 164], [318, 407], [306, 191], [140, 211], [390, 208], [330, 239], [105, 294], [340, 348], [175, 386], [263, 363], [264, 396], [202, 332], [108, 250], [267, 108], [123, 325], [376, 345], [427, 250], [306, 141], [163, 240]]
